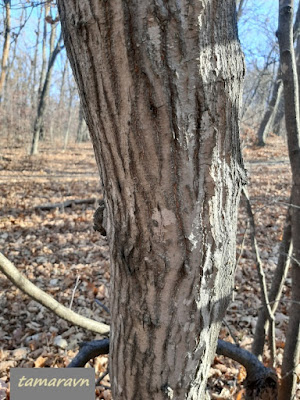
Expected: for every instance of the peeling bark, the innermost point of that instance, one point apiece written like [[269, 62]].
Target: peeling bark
[[160, 85]]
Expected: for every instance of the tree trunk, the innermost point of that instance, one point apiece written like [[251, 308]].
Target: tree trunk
[[160, 86], [48, 78], [291, 99], [240, 8], [80, 124], [6, 44], [34, 63], [42, 100], [267, 122], [44, 53], [279, 123], [70, 114]]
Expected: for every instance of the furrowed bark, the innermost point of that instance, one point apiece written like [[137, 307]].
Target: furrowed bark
[[160, 88]]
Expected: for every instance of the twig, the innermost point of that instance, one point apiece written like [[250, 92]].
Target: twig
[[292, 258], [288, 204], [102, 305], [73, 292], [105, 387], [242, 244], [278, 279], [48, 301], [260, 270], [101, 377], [230, 332]]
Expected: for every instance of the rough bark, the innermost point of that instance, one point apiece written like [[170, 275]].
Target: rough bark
[[160, 84], [291, 98], [6, 44]]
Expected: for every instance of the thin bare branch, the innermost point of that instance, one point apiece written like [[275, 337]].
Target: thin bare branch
[[49, 302]]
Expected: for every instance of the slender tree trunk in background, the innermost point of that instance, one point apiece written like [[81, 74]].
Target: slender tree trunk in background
[[241, 5], [70, 113], [160, 86], [60, 122], [291, 99], [12, 58], [34, 63], [48, 75], [274, 296], [44, 51], [42, 101], [67, 130], [279, 123], [268, 120], [6, 45], [80, 124]]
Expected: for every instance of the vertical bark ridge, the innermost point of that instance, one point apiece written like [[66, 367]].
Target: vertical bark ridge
[[160, 83]]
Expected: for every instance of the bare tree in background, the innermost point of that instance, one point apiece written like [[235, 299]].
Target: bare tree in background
[[291, 98], [268, 120], [6, 44], [38, 124]]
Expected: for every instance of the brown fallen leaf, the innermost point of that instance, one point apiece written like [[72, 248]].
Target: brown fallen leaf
[[40, 362]]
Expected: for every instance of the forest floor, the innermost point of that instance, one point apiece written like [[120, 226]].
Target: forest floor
[[55, 248]]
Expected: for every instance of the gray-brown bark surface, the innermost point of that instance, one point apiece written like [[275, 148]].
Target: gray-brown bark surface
[[291, 98], [160, 86]]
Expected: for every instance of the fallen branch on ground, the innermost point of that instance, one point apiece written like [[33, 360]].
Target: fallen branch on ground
[[48, 301], [64, 204], [261, 382], [89, 350]]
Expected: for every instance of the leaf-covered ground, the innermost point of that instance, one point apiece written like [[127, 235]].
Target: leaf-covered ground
[[58, 248]]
